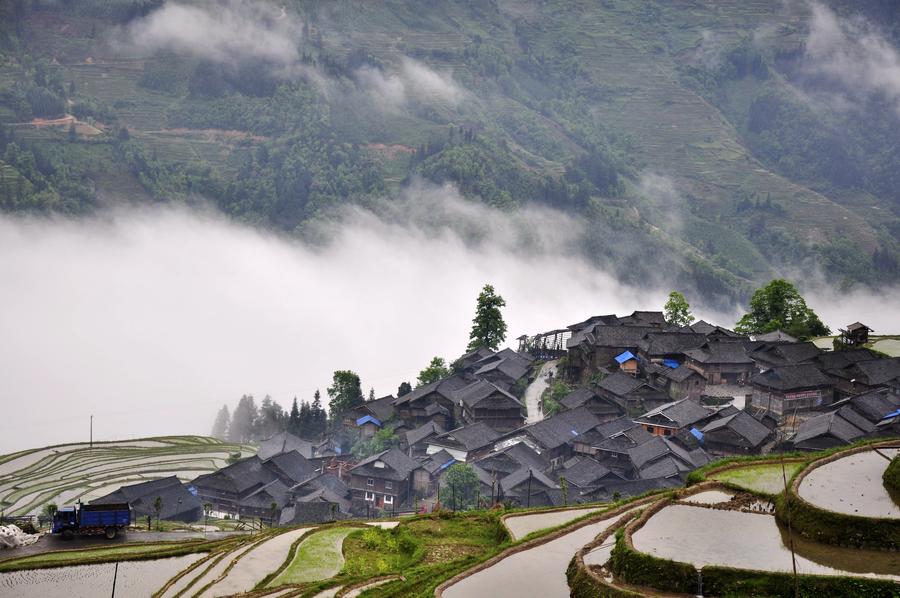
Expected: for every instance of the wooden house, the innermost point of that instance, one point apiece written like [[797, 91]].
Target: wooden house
[[788, 389], [483, 401], [382, 481]]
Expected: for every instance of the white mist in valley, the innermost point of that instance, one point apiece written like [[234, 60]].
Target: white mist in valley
[[151, 319]]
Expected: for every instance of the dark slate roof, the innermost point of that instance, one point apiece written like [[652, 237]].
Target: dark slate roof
[[677, 413], [512, 458], [615, 426], [776, 336], [177, 500], [792, 377], [836, 360], [854, 417], [680, 374], [785, 353], [284, 441], [607, 320], [625, 440], [512, 369], [827, 424], [291, 465], [398, 465], [422, 432], [437, 462], [610, 491], [584, 471], [467, 438], [743, 424], [444, 387], [645, 318], [578, 397], [872, 405], [382, 408], [666, 467], [665, 343], [626, 337], [720, 352], [621, 384], [562, 428], [879, 371], [483, 391], [521, 476], [324, 480], [237, 478]]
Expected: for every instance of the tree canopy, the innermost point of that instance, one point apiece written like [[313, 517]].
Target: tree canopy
[[436, 370], [460, 487], [779, 306], [345, 393], [220, 426], [488, 327], [678, 310]]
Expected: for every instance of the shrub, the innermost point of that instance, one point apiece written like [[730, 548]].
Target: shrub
[[643, 569]]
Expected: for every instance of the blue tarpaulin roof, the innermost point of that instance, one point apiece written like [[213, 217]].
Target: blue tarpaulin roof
[[368, 418], [892, 414], [447, 464], [192, 490], [697, 434], [627, 355], [671, 363]]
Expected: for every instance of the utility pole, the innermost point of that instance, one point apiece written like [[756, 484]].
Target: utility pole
[[115, 575], [91, 445], [530, 475]]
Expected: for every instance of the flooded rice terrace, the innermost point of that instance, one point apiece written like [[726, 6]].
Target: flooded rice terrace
[[852, 485], [135, 579], [703, 536]]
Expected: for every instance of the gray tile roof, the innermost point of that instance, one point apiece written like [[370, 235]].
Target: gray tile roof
[[398, 465], [512, 369], [483, 391], [444, 387], [469, 438], [827, 424], [621, 384], [291, 466], [742, 424], [776, 336], [792, 377], [677, 414], [880, 371], [584, 471], [521, 475], [680, 374], [730, 352], [284, 441], [562, 428], [666, 343], [422, 432]]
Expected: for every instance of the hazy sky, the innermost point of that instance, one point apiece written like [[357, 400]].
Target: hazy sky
[[152, 319]]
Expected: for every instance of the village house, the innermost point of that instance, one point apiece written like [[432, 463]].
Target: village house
[[627, 363], [635, 394], [320, 499], [415, 441], [788, 389], [555, 436], [662, 457], [178, 502], [584, 472], [671, 418], [427, 477], [868, 415], [772, 355], [506, 460], [679, 383], [483, 401], [466, 443], [381, 482], [595, 348], [667, 348], [721, 362], [529, 487], [371, 416], [432, 402], [604, 408], [284, 442], [612, 441], [868, 375], [736, 434], [855, 335]]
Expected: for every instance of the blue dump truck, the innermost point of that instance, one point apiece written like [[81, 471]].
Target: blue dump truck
[[91, 520]]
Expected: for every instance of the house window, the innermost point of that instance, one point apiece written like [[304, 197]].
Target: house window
[[370, 482], [388, 500], [370, 496], [388, 485]]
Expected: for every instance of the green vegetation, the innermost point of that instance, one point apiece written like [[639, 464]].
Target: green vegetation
[[552, 395], [724, 581], [345, 393], [761, 479], [383, 439], [488, 327], [677, 310], [318, 557], [779, 306], [435, 371], [375, 551], [460, 487], [891, 478], [583, 586]]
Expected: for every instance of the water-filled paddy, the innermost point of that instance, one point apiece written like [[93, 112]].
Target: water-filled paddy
[[135, 578], [538, 571], [852, 485], [708, 497], [702, 536], [522, 525]]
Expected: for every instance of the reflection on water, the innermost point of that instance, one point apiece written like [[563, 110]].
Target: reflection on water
[[135, 578], [852, 485], [746, 541]]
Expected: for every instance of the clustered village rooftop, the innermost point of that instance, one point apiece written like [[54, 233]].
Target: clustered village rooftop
[[648, 403]]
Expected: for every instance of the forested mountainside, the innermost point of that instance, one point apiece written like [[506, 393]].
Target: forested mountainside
[[716, 141]]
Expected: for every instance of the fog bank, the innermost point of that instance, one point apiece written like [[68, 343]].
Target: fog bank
[[151, 319]]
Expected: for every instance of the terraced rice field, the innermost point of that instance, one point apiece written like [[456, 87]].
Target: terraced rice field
[[852, 485], [703, 536], [537, 571], [758, 478], [64, 474], [134, 578], [522, 525], [318, 557]]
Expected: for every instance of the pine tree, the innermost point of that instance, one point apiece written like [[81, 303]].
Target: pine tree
[[404, 389], [243, 420], [345, 393], [305, 429], [372, 394], [488, 327], [319, 417], [294, 419], [220, 426]]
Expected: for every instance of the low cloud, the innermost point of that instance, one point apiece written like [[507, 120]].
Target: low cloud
[[228, 32], [395, 88], [853, 53], [151, 319]]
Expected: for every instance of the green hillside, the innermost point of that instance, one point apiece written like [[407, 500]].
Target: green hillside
[[691, 137]]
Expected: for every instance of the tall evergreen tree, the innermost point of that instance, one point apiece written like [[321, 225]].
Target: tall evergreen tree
[[488, 327], [220, 426], [371, 394], [404, 389], [307, 425], [294, 418], [318, 415], [271, 419], [345, 393], [243, 420]]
